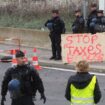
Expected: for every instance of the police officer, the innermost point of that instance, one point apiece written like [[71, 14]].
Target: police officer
[[22, 81], [92, 18], [83, 88], [56, 27], [78, 24], [100, 21]]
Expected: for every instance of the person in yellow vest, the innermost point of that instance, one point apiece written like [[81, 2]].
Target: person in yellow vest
[[83, 88]]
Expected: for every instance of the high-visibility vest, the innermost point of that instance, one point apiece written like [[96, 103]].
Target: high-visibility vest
[[83, 96]]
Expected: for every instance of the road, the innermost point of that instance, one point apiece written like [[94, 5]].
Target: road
[[55, 83]]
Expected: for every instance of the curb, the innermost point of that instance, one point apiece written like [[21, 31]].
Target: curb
[[93, 68]]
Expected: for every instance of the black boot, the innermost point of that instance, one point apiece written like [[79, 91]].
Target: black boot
[[58, 58], [52, 58]]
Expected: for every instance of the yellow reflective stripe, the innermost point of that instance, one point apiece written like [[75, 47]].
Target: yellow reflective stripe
[[79, 98], [81, 104], [83, 101]]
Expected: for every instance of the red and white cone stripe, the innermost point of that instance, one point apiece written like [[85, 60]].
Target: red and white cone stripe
[[25, 59], [14, 61], [35, 60]]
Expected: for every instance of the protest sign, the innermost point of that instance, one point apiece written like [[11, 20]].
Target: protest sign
[[76, 47]]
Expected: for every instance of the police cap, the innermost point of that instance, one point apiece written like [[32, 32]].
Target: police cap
[[55, 11], [93, 5], [77, 10], [19, 54]]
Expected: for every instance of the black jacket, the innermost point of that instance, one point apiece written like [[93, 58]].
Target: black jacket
[[58, 26], [100, 24], [80, 81], [92, 15], [78, 25], [100, 20], [29, 78]]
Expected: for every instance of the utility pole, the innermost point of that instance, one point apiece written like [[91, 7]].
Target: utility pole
[[85, 10], [20, 4]]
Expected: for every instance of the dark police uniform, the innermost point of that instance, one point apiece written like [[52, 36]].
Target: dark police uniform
[[91, 21], [30, 83], [56, 27], [78, 25], [29, 80], [100, 24]]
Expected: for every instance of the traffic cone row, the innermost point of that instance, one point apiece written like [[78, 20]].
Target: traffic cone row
[[34, 59]]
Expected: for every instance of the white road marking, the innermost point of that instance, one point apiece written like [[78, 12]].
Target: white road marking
[[69, 70]]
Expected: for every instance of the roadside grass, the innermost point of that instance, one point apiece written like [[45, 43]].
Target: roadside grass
[[31, 23]]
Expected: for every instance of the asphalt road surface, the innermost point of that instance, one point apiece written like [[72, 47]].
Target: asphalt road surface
[[55, 83]]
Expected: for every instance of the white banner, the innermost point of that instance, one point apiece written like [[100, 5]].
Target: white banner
[[76, 47]]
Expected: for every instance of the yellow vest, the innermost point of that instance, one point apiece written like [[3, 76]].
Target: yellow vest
[[83, 96]]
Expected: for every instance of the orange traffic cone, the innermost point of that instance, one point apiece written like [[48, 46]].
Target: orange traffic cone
[[1, 51], [12, 50], [14, 61], [35, 60], [25, 59]]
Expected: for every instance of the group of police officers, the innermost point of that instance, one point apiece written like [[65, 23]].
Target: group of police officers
[[93, 24], [22, 81]]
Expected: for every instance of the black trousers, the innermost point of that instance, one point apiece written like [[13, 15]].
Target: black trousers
[[56, 45], [24, 100]]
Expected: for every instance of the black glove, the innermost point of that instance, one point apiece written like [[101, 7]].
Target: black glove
[[43, 97], [2, 100]]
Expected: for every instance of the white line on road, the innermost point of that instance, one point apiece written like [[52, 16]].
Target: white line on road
[[60, 69]]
